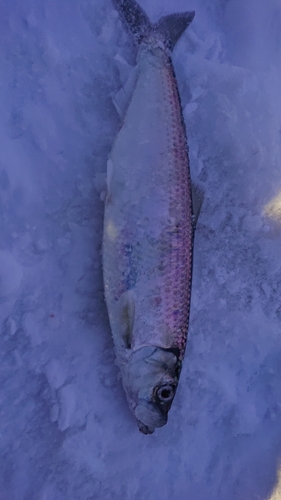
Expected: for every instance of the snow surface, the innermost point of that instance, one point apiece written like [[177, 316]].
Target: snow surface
[[65, 429]]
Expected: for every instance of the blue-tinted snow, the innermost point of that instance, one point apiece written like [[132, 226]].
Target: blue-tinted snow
[[66, 432]]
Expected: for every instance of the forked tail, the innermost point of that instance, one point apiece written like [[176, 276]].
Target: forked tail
[[170, 27]]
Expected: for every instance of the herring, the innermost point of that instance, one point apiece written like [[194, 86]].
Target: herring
[[149, 223]]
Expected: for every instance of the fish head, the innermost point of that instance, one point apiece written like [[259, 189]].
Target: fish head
[[150, 380]]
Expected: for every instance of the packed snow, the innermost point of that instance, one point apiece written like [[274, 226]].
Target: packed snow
[[66, 431]]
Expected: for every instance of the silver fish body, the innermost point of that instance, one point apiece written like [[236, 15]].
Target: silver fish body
[[148, 238]]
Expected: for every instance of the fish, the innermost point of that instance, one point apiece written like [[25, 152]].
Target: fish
[[148, 231]]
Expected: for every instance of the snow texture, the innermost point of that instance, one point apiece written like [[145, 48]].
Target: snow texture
[[65, 428]]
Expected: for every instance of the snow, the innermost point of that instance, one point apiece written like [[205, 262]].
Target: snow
[[65, 428]]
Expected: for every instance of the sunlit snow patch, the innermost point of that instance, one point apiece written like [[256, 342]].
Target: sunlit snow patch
[[276, 494], [273, 208]]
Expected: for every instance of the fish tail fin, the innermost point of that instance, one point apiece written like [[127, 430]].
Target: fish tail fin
[[170, 27], [135, 18]]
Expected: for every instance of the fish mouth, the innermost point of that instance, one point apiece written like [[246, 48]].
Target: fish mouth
[[144, 429], [149, 416]]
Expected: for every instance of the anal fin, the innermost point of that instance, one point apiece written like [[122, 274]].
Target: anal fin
[[122, 98], [197, 202]]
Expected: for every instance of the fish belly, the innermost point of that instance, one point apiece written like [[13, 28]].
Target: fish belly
[[148, 230]]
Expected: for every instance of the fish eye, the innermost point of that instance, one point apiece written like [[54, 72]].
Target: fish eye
[[165, 393]]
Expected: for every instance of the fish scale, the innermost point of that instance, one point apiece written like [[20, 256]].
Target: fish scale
[[176, 274], [173, 250]]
